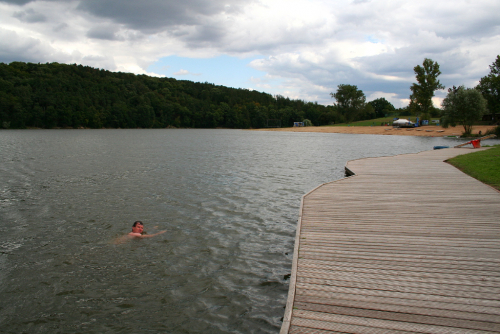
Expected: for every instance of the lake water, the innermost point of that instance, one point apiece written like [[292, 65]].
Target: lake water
[[229, 200]]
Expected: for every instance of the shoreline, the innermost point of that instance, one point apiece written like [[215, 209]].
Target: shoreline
[[424, 131]]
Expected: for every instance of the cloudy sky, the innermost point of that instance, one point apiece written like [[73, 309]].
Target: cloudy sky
[[297, 48]]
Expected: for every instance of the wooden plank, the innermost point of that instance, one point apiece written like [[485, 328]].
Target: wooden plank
[[401, 277], [356, 324], [404, 306], [452, 303], [435, 318], [374, 254], [425, 289]]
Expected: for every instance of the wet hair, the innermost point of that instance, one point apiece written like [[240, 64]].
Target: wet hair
[[137, 223]]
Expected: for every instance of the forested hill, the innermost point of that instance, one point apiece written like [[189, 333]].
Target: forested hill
[[58, 95]]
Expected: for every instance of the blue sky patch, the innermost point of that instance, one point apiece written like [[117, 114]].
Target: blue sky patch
[[221, 70]]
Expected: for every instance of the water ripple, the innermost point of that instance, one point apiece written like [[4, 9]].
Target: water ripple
[[229, 201]]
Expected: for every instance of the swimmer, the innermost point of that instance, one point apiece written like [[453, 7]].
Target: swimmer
[[138, 231]]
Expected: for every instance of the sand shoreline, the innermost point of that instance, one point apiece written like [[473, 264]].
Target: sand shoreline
[[427, 131]]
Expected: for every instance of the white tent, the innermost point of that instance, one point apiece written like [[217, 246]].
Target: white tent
[[403, 123]]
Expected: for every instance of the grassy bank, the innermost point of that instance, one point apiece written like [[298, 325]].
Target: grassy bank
[[484, 165]]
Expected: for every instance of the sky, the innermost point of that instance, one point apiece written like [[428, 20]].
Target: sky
[[301, 49]]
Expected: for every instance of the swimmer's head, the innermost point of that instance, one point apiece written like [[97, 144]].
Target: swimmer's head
[[138, 227]]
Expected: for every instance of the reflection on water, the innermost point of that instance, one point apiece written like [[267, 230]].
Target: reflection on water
[[228, 199]]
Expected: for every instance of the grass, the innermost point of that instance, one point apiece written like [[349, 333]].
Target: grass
[[483, 166]]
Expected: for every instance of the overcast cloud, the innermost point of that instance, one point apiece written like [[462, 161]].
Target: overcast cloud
[[303, 48]]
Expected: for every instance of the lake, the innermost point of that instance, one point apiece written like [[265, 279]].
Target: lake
[[229, 200]]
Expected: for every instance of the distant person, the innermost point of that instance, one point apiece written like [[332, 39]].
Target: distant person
[[138, 231]]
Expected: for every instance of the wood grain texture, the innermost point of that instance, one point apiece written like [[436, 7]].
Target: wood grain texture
[[409, 244]]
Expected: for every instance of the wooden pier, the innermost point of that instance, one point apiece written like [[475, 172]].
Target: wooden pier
[[408, 245]]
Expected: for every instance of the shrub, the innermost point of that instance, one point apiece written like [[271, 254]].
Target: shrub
[[307, 122]]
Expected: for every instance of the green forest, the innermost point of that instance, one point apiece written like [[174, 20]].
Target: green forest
[[55, 95]]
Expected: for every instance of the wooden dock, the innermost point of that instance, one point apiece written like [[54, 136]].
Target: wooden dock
[[408, 245]]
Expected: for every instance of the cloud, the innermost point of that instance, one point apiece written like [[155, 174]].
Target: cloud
[[104, 32], [204, 36], [15, 47], [182, 72], [99, 61], [305, 48], [156, 15], [30, 16], [17, 2]]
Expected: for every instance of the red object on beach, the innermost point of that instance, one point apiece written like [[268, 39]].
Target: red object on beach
[[476, 143]]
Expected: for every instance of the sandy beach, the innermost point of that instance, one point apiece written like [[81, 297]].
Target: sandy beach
[[428, 131]]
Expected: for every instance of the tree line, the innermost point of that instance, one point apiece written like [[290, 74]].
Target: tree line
[[59, 95], [72, 96], [462, 106]]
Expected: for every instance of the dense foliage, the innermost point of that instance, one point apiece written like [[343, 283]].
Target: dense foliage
[[463, 106], [489, 86], [382, 107], [58, 95], [351, 103]]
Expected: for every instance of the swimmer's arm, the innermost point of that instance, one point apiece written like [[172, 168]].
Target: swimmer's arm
[[152, 235], [138, 235]]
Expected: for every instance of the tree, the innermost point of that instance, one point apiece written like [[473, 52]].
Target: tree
[[350, 101], [331, 116], [423, 91], [58, 95], [489, 86], [307, 122], [382, 107], [368, 112], [463, 106]]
